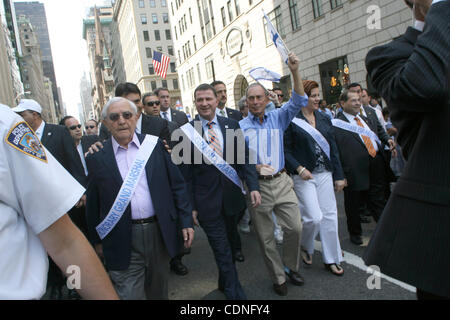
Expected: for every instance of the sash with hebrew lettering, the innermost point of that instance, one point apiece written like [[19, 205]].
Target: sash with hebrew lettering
[[355, 129], [200, 143], [129, 185], [315, 134]]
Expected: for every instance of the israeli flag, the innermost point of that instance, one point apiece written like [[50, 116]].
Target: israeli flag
[[261, 73], [276, 38]]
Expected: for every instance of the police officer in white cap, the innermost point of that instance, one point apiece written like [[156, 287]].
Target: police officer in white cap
[[36, 193]]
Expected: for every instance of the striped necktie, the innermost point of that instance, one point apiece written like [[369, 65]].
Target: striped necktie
[[367, 141], [214, 142]]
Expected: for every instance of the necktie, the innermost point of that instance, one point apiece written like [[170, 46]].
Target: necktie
[[214, 142], [222, 113], [361, 113], [367, 141], [165, 116]]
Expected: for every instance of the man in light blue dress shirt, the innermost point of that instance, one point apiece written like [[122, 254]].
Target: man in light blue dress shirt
[[275, 185]]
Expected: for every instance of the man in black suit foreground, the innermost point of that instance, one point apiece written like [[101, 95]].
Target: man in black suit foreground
[[138, 247], [364, 164], [58, 141], [411, 242], [214, 197]]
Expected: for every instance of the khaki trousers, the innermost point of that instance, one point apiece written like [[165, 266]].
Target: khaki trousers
[[278, 196]]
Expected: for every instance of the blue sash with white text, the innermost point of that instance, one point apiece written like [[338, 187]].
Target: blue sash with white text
[[355, 129], [128, 187], [216, 160], [315, 134]]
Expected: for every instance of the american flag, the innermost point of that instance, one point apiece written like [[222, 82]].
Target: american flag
[[160, 63]]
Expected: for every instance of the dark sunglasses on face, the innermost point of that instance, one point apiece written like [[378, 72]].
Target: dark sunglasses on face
[[280, 95], [75, 127], [90, 127], [115, 116], [152, 103]]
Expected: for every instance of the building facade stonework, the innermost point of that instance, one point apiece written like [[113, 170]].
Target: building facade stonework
[[225, 39]]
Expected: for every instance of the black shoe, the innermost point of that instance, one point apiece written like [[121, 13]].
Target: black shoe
[[356, 239], [280, 289], [238, 256], [365, 219], [178, 267], [295, 277]]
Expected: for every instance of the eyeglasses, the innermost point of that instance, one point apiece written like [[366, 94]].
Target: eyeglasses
[[280, 95], [75, 127], [90, 127], [152, 103], [115, 116]]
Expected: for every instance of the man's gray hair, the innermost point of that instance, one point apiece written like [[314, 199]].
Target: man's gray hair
[[241, 103], [115, 100], [256, 84]]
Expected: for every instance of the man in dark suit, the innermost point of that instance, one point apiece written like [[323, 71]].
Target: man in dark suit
[[138, 248], [58, 141], [411, 242], [213, 196], [166, 111], [364, 165], [221, 110]]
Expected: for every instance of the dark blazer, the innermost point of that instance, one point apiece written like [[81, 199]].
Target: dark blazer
[[87, 141], [234, 114], [168, 194], [59, 142], [381, 133], [411, 242], [355, 158], [152, 125], [299, 147], [210, 191], [179, 117]]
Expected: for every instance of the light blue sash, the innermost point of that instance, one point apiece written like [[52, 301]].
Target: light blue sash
[[128, 187], [315, 134], [356, 129], [212, 156]]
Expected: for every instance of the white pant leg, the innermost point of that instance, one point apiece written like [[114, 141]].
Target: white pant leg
[[306, 192], [331, 248]]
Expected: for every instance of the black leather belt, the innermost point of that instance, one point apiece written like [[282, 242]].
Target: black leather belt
[[272, 176], [144, 221]]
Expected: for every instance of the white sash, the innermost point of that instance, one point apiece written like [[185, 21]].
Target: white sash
[[128, 187], [315, 134], [356, 129], [212, 156]]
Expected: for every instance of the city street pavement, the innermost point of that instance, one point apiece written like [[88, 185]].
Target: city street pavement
[[201, 281]]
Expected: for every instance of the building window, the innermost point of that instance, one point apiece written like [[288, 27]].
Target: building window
[[317, 8], [146, 36], [159, 49], [154, 18], [209, 63], [250, 2], [190, 14], [164, 83], [295, 20], [157, 35], [199, 73], [153, 85], [151, 70], [224, 17], [163, 3], [143, 18], [148, 51], [176, 34], [173, 13], [141, 4], [238, 7], [165, 17], [334, 75], [335, 3], [182, 82], [175, 84], [230, 10], [275, 18], [168, 35], [170, 50], [152, 3], [173, 69], [195, 43]]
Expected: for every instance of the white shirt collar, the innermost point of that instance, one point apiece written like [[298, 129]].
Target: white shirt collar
[[40, 131], [224, 111], [168, 113], [139, 125]]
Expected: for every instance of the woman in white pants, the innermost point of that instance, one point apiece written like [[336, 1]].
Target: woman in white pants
[[312, 158]]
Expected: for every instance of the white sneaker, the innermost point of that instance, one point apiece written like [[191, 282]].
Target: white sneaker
[[278, 236], [245, 228]]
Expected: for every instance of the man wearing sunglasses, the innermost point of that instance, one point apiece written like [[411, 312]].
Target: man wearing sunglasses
[[154, 200], [91, 127], [59, 143]]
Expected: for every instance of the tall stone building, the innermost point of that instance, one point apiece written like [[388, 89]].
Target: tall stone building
[[97, 31], [34, 82], [225, 39], [144, 27], [87, 110], [35, 12]]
